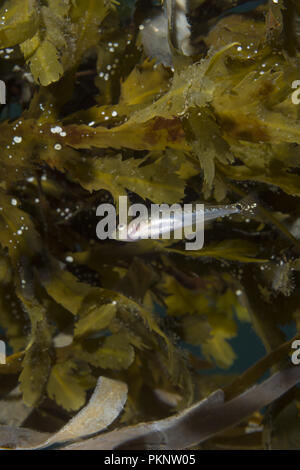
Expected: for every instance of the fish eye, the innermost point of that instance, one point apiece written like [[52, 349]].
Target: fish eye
[[239, 206], [121, 226]]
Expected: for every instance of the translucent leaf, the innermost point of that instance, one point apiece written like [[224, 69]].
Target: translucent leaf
[[36, 363], [155, 134], [116, 175], [68, 384], [17, 233], [235, 250], [250, 113], [116, 353], [207, 143], [94, 318], [65, 32], [86, 16], [66, 290], [60, 7], [143, 84], [182, 301], [44, 62], [219, 349], [19, 21]]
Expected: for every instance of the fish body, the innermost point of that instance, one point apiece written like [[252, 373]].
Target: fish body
[[164, 222]]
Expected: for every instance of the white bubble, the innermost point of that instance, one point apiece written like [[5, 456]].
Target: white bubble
[[56, 130]]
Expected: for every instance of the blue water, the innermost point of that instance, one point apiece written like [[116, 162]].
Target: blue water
[[245, 8]]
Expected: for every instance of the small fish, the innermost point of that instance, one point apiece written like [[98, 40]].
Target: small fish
[[161, 227]]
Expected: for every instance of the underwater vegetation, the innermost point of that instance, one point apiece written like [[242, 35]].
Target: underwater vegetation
[[120, 345]]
